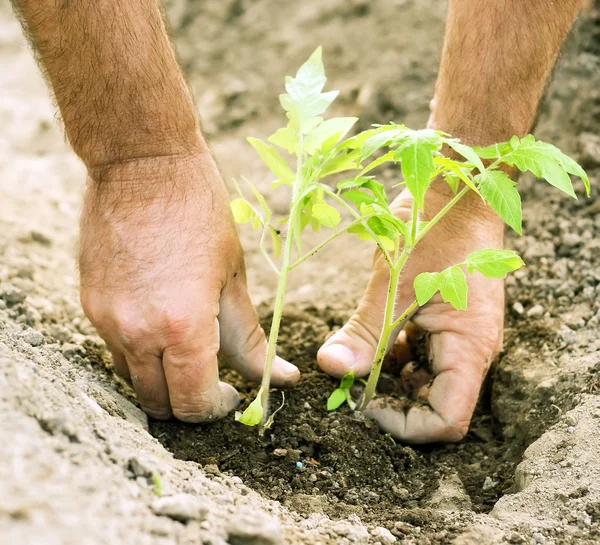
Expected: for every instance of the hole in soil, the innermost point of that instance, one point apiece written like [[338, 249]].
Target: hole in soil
[[339, 463]]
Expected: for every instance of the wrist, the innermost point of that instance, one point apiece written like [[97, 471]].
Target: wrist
[[163, 176]]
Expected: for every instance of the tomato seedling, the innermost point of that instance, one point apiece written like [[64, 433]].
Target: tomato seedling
[[421, 161], [315, 144], [320, 151]]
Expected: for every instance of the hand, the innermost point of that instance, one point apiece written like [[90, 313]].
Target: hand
[[462, 344], [163, 280]]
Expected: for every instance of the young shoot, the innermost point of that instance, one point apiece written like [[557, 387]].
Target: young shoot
[[318, 150], [419, 154]]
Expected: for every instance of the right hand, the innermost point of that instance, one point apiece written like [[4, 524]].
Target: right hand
[[163, 280], [462, 344]]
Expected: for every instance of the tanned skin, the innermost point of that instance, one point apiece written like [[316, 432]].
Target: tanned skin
[[162, 270]]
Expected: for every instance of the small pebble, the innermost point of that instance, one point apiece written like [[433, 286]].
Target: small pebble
[[535, 311], [518, 308], [299, 465]]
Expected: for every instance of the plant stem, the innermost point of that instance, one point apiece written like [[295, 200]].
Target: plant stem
[[312, 252], [386, 331], [275, 323], [404, 315], [441, 214], [279, 298], [414, 224]]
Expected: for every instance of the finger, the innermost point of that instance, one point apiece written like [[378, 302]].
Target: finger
[[148, 381], [243, 342], [119, 363], [353, 347], [459, 364], [192, 374]]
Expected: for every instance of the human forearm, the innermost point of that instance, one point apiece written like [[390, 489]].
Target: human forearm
[[497, 57], [115, 78]]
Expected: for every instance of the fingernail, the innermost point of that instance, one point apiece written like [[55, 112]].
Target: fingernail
[[342, 354]]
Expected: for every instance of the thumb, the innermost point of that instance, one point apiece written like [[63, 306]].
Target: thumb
[[243, 342], [353, 347]]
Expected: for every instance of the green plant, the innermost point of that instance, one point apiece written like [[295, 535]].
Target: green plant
[[342, 393], [321, 151]]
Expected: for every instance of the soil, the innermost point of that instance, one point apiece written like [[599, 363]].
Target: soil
[[79, 461]]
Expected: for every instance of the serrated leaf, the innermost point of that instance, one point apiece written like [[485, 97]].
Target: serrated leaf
[[276, 239], [572, 167], [543, 160], [377, 141], [363, 234], [253, 414], [347, 381], [453, 287], [358, 197], [242, 211], [357, 141], [273, 160], [467, 152], [415, 151], [335, 127], [336, 399], [285, 138], [345, 160], [493, 263], [389, 156], [304, 102], [501, 194], [326, 215], [426, 286]]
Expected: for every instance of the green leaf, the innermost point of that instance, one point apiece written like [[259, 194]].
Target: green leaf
[[347, 381], [338, 126], [273, 160], [304, 101], [415, 151], [346, 160], [285, 138], [543, 160], [357, 141], [377, 141], [363, 234], [572, 167], [493, 263], [261, 200], [453, 287], [389, 156], [242, 211], [467, 152], [276, 239], [501, 194], [358, 197], [253, 414], [327, 215], [453, 181], [336, 399], [426, 286]]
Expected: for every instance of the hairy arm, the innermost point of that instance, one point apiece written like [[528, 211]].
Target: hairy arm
[[162, 273], [115, 77], [497, 57]]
